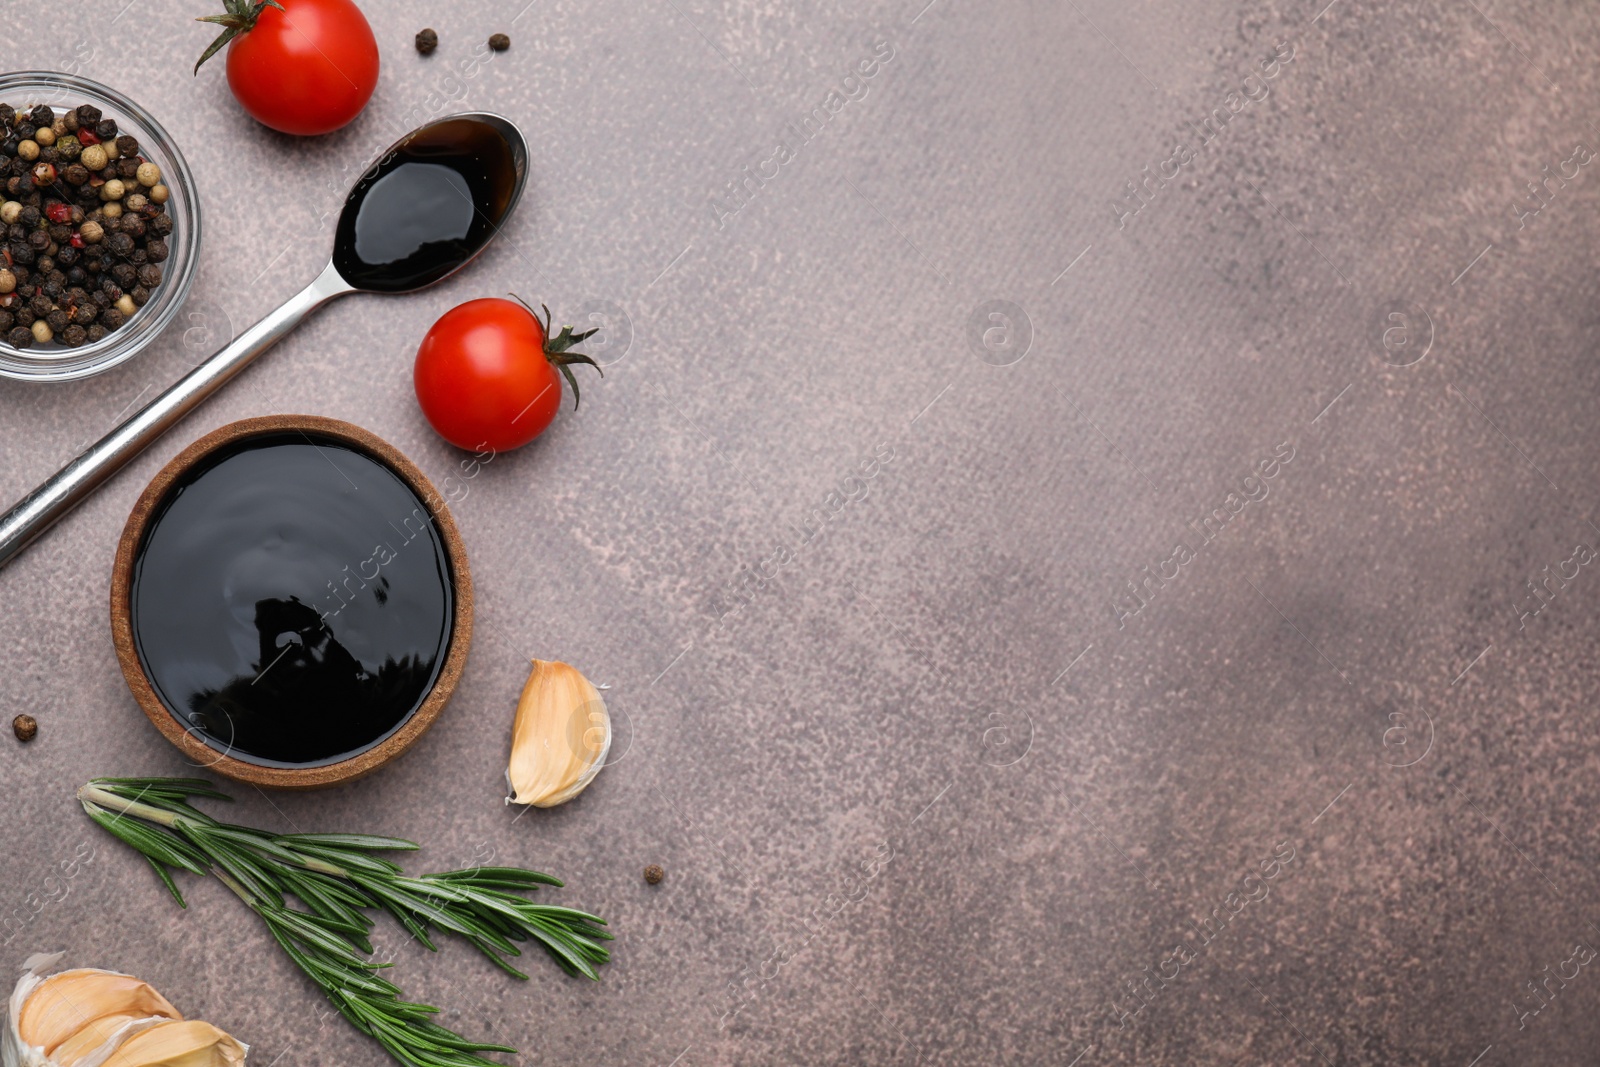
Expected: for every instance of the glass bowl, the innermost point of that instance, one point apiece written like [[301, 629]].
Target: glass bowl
[[57, 362]]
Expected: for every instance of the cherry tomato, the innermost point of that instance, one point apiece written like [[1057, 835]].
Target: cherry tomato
[[488, 375], [299, 66]]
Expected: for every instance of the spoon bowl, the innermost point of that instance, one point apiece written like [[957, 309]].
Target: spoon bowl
[[429, 205]]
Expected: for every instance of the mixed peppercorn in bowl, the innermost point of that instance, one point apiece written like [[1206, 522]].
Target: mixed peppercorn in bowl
[[98, 227]]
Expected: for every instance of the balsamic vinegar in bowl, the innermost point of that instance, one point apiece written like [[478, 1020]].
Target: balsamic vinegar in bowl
[[288, 603]]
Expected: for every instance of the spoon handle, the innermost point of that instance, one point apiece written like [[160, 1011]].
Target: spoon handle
[[42, 508]]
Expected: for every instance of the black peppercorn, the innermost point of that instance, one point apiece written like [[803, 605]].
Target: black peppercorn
[[57, 320], [96, 333], [43, 116], [150, 275], [26, 130], [161, 225], [22, 184], [653, 874], [24, 315], [67, 256], [127, 168], [20, 337], [22, 252], [86, 313], [76, 276], [106, 129], [110, 288], [125, 274], [7, 320], [111, 318], [119, 243], [128, 146], [8, 115], [141, 295], [39, 239], [499, 42], [88, 115], [132, 225], [156, 249], [40, 305], [139, 258], [100, 299], [427, 41], [74, 335]]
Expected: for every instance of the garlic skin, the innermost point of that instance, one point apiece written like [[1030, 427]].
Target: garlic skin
[[560, 737], [88, 1017]]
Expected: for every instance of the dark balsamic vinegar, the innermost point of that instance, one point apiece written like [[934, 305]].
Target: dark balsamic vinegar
[[292, 602], [427, 207]]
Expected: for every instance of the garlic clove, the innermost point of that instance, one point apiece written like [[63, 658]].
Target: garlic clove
[[179, 1044], [99, 1039], [64, 1003], [560, 737]]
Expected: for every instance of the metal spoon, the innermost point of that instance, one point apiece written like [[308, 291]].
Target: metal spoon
[[370, 256]]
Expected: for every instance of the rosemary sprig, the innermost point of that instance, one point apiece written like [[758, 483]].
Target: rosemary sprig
[[336, 878]]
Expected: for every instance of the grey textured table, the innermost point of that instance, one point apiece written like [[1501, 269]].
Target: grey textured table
[[1069, 735]]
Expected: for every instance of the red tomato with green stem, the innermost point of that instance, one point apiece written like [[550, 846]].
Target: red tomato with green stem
[[299, 66], [488, 374]]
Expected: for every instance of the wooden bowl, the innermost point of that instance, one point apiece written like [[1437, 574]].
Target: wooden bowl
[[193, 746]]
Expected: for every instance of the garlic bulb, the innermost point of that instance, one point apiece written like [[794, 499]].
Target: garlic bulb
[[560, 737], [93, 1018]]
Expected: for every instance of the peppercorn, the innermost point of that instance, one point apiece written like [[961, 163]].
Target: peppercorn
[[427, 41], [75, 174], [653, 874], [141, 295], [44, 174], [112, 319], [88, 115], [148, 174], [132, 225], [10, 211], [70, 121], [106, 130], [157, 250], [67, 148], [125, 275], [28, 150], [135, 202], [112, 190], [74, 335], [26, 130], [499, 42], [126, 305], [26, 727], [68, 256], [25, 317], [42, 332], [161, 225], [7, 320], [111, 209], [119, 243], [127, 168], [127, 145], [96, 333], [40, 305], [93, 157], [8, 281], [57, 320], [100, 299], [150, 275], [8, 114], [158, 194], [20, 336], [91, 232], [39, 241], [21, 252], [85, 313], [44, 137]]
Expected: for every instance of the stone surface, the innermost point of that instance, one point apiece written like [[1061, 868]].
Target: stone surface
[[936, 792]]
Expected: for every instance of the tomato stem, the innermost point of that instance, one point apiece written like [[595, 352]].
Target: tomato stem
[[238, 17], [558, 349]]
